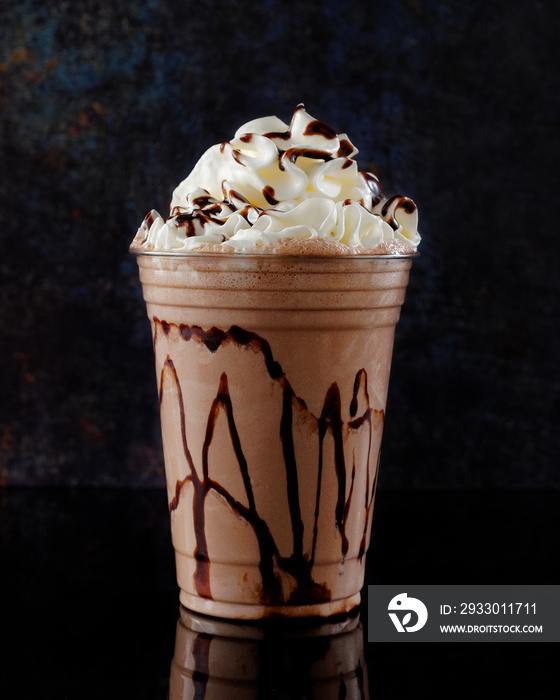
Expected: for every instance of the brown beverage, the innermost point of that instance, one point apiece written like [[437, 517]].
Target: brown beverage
[[272, 374]]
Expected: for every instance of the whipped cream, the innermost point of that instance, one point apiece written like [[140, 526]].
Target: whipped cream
[[274, 182]]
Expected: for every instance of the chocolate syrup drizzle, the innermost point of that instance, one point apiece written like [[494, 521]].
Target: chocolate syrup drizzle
[[207, 210], [374, 185], [400, 202], [317, 127], [269, 194], [292, 154], [299, 564]]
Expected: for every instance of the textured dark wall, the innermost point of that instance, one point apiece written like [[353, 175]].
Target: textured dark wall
[[104, 108]]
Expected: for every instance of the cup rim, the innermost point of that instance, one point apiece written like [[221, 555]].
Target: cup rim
[[183, 254]]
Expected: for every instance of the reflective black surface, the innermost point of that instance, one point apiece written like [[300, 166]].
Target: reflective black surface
[[89, 604], [220, 659]]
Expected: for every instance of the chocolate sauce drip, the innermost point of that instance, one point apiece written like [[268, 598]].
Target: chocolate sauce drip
[[299, 564], [202, 572], [148, 221], [361, 378], [272, 588], [202, 201], [269, 194], [234, 194], [374, 185], [368, 506], [269, 553], [178, 486], [349, 499], [362, 549], [347, 163], [205, 210], [246, 211], [292, 154], [331, 419], [213, 209], [288, 449], [186, 221], [345, 149], [237, 156], [402, 202], [319, 128], [212, 338], [285, 135], [242, 337], [246, 138]]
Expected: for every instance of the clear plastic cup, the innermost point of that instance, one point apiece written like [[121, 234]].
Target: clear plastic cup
[[272, 375]]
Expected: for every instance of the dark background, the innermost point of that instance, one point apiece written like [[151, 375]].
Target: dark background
[[105, 107]]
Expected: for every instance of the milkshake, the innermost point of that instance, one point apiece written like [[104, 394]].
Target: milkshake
[[273, 290]]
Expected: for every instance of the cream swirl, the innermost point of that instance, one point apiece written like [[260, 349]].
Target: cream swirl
[[275, 181]]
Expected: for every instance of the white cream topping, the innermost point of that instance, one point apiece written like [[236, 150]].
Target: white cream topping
[[274, 181]]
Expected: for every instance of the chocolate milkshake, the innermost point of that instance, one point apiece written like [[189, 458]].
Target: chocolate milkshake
[[273, 312]]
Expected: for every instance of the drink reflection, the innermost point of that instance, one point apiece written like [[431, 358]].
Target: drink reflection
[[285, 659]]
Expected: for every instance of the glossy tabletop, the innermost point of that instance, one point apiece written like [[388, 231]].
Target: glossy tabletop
[[89, 605]]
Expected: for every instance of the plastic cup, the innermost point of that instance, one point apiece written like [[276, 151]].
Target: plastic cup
[[272, 375]]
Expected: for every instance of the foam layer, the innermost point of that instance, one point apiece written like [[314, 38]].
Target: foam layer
[[315, 247]]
